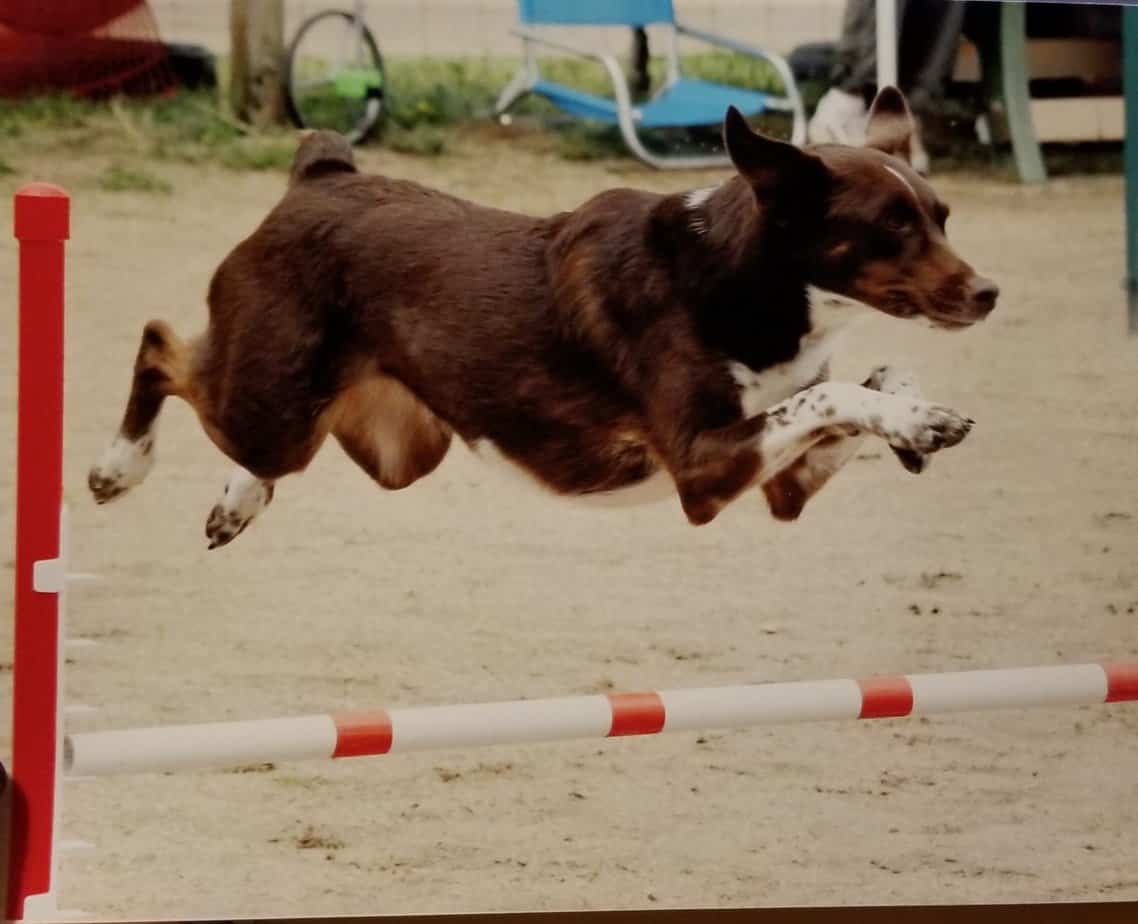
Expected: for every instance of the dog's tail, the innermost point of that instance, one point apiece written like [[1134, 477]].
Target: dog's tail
[[321, 153]]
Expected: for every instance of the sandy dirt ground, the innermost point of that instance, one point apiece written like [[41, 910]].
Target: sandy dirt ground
[[1017, 548]]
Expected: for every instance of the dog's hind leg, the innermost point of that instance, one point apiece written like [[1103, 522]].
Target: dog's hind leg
[[388, 432], [244, 497], [380, 424], [161, 369]]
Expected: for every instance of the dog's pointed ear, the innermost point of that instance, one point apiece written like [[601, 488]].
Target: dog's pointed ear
[[890, 125], [763, 161]]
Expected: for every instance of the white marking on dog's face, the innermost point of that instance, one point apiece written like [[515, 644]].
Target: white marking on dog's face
[[909, 186]]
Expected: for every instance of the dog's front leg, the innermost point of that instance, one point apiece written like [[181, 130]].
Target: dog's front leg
[[790, 489], [725, 461]]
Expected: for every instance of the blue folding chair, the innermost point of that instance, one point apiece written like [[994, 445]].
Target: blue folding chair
[[681, 103]]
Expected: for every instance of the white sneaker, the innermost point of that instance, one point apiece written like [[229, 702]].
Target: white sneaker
[[839, 119]]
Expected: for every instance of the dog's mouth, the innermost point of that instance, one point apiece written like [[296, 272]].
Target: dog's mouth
[[956, 304], [908, 308], [952, 322]]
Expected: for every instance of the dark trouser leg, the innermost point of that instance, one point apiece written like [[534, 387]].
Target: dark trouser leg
[[930, 40], [855, 64], [639, 81]]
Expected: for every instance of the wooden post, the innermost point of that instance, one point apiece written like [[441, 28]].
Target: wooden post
[[256, 33]]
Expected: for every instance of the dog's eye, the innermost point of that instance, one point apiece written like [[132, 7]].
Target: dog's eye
[[899, 221]]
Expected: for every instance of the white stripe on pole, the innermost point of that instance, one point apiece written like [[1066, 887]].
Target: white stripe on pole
[[969, 691], [728, 707], [193, 747], [561, 719]]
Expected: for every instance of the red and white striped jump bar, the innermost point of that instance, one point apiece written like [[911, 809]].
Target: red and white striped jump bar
[[227, 744]]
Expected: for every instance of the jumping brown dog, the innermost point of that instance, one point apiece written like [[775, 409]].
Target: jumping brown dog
[[640, 345]]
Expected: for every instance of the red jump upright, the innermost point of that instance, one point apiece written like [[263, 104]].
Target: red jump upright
[[42, 214]]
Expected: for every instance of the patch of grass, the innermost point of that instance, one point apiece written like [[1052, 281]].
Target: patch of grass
[[190, 127], [258, 153], [120, 178], [424, 96], [440, 91], [190, 119], [19, 118], [448, 89], [589, 142], [444, 91], [424, 140], [722, 67], [6, 169]]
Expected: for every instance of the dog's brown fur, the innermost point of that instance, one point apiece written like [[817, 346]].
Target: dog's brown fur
[[590, 347]]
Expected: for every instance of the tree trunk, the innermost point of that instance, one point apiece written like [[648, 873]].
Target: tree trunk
[[256, 34]]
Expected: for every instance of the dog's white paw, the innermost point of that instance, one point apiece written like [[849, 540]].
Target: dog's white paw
[[892, 381], [124, 464], [927, 428], [244, 497]]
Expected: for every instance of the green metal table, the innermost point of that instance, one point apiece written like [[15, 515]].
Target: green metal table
[[1130, 91]]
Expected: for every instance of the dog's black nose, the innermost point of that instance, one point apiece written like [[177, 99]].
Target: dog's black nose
[[984, 293]]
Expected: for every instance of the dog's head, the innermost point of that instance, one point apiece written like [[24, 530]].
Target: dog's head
[[863, 224]]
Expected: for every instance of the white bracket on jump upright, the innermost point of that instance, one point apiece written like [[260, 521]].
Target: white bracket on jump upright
[[44, 756]]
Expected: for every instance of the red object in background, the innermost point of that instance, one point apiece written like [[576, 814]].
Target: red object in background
[[87, 47], [42, 215]]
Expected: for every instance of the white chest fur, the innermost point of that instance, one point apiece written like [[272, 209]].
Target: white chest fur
[[830, 316]]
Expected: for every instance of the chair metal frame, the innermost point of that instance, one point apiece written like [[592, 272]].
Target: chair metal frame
[[528, 76]]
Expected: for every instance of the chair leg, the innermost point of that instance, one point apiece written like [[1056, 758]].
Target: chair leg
[[518, 87], [1016, 93]]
